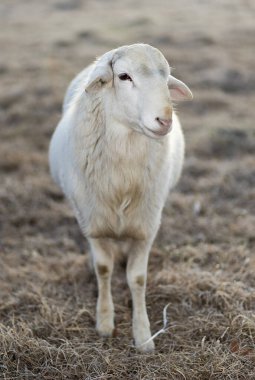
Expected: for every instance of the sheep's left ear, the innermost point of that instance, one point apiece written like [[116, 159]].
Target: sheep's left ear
[[178, 89], [101, 74]]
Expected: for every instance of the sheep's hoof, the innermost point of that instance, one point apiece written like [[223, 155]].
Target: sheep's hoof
[[105, 330], [146, 347]]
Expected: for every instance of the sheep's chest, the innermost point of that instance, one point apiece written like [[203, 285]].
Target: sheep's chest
[[118, 212], [120, 205]]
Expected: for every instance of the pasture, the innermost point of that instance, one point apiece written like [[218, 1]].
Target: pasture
[[203, 260]]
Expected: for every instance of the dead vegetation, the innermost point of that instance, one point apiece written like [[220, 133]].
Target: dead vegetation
[[203, 260]]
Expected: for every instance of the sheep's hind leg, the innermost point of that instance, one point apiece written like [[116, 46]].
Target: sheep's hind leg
[[136, 275], [103, 260]]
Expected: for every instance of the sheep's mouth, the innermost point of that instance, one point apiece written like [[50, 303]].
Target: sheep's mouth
[[159, 132]]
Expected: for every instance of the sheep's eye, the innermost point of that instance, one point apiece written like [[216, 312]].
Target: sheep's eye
[[125, 77]]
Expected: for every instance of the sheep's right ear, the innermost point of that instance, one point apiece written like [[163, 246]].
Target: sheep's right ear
[[101, 74]]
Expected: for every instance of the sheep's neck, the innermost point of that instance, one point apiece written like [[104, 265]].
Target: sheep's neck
[[104, 139]]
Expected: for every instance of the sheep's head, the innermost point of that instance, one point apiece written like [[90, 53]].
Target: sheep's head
[[140, 87]]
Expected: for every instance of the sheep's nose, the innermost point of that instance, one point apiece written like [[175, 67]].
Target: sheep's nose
[[164, 122]]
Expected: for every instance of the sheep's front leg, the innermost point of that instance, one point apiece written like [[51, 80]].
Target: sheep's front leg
[[136, 275], [103, 263]]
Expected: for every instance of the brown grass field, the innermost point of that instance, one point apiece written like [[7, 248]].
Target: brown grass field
[[203, 260]]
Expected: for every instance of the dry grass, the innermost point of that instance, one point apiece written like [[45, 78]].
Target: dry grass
[[203, 260]]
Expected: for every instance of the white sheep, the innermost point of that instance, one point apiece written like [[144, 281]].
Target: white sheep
[[116, 152]]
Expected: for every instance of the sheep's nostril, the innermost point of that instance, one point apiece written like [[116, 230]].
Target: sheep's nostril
[[164, 122]]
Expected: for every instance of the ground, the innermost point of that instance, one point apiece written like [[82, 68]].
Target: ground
[[203, 260]]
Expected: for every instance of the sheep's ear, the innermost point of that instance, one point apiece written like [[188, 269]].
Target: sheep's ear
[[101, 74], [178, 89]]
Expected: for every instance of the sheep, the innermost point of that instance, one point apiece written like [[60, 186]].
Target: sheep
[[116, 153]]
